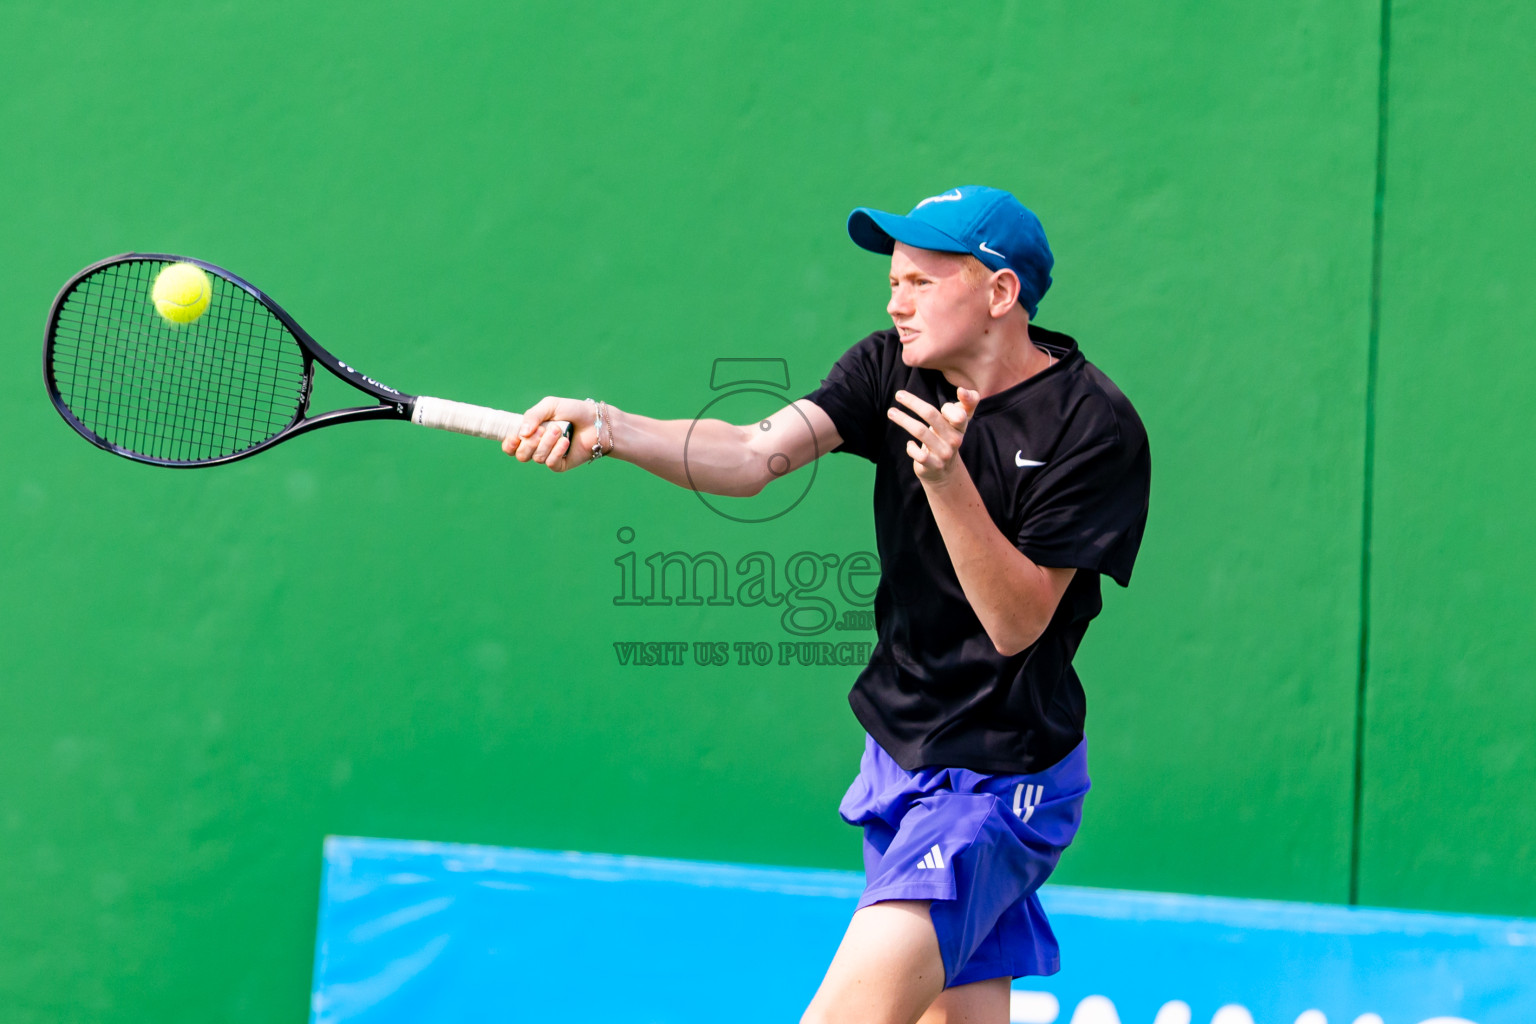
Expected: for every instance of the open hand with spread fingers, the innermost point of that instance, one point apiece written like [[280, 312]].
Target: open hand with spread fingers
[[936, 433]]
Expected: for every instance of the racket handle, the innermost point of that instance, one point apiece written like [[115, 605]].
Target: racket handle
[[475, 420]]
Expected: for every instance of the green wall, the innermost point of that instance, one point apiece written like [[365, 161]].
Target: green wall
[[1450, 756], [384, 631]]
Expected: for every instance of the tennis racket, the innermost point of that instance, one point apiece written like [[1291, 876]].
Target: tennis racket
[[234, 382]]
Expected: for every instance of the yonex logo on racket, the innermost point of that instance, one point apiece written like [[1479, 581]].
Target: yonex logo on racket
[[367, 378]]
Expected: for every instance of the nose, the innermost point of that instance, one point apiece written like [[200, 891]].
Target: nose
[[901, 302]]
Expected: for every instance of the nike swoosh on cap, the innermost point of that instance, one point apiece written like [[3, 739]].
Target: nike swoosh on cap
[[1020, 461], [994, 252], [947, 197]]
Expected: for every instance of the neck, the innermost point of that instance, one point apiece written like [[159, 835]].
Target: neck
[[1003, 356]]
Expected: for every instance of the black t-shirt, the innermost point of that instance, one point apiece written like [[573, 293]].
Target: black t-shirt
[[1062, 465]]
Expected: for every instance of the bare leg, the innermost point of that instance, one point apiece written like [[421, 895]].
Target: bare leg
[[886, 971], [980, 1002]]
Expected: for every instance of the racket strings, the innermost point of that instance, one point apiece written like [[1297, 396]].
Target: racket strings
[[185, 393]]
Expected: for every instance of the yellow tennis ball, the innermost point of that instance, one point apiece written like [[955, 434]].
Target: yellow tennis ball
[[182, 292]]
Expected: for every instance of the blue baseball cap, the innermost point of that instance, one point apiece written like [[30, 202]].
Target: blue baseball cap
[[987, 223]]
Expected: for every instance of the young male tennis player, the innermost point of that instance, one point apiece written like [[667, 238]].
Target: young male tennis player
[[1010, 475]]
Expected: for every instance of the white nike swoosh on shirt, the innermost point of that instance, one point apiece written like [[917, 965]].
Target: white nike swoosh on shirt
[[1020, 461], [994, 252]]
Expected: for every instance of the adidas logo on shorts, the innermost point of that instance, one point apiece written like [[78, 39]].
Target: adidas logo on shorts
[[933, 859]]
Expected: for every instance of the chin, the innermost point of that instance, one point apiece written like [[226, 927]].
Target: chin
[[912, 354]]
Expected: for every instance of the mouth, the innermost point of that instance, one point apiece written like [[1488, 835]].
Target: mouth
[[905, 334]]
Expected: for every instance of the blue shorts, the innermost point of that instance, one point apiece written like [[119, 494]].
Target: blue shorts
[[978, 846]]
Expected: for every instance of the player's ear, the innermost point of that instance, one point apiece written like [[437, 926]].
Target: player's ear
[[1005, 293]]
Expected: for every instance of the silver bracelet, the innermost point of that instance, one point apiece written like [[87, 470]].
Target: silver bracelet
[[597, 446]]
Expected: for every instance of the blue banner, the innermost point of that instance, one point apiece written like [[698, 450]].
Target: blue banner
[[436, 932]]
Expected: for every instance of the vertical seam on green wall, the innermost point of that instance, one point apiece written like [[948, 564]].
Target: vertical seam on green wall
[[1373, 339]]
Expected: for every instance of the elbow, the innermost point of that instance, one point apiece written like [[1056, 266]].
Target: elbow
[[752, 487], [755, 471], [730, 488], [1017, 642], [1021, 632], [743, 485]]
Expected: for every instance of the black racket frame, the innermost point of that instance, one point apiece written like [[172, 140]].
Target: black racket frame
[[392, 405]]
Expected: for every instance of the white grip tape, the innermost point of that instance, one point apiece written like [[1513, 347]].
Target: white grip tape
[[474, 420], [463, 418]]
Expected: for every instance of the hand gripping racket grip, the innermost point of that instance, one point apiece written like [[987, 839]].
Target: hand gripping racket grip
[[475, 420]]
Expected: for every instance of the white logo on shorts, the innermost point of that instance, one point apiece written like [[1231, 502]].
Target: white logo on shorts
[[934, 859], [1026, 799]]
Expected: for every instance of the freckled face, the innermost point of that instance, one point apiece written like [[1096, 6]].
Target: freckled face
[[938, 313]]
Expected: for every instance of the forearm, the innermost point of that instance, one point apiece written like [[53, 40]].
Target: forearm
[[720, 458], [1011, 595]]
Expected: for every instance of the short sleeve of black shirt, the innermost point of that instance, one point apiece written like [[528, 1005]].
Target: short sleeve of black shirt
[[1087, 507], [854, 395]]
